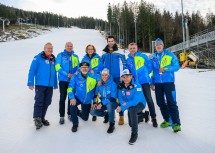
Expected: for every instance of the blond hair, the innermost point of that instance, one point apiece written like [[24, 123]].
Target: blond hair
[[90, 46]]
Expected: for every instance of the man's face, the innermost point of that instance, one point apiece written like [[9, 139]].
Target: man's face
[[84, 69], [48, 49], [159, 48], [111, 42], [132, 49], [127, 78], [69, 47], [105, 77]]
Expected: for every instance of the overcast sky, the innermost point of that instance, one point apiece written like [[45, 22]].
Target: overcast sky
[[98, 8]]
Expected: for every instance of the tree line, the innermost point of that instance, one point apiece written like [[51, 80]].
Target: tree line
[[152, 23]]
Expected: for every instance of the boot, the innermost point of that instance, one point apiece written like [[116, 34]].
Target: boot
[[38, 122], [154, 122], [146, 116], [121, 120], [61, 120], [165, 124], [45, 122], [111, 128], [94, 118], [75, 128], [105, 118], [133, 138], [176, 128]]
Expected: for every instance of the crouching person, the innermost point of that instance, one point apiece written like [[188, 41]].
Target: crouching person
[[81, 92], [131, 98], [42, 70], [108, 93]]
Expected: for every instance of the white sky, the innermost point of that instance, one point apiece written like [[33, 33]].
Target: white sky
[[98, 8]]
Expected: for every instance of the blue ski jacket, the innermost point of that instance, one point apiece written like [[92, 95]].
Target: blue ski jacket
[[95, 62], [169, 62], [140, 67], [114, 61], [82, 87], [107, 91], [42, 69], [66, 63], [131, 95]]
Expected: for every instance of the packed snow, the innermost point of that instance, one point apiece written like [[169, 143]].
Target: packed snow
[[195, 97]]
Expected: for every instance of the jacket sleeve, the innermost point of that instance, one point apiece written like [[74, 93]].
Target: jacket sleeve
[[77, 67], [123, 61], [32, 71], [148, 64], [120, 96], [58, 67], [55, 81], [137, 96], [174, 65], [100, 67], [71, 88]]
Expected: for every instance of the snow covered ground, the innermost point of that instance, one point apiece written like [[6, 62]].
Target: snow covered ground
[[195, 96]]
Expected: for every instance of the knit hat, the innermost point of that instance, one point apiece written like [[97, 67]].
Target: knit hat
[[105, 71], [158, 41]]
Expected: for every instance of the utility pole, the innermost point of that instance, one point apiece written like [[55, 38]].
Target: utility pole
[[183, 46]]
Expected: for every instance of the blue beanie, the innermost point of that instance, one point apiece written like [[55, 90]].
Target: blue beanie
[[158, 41]]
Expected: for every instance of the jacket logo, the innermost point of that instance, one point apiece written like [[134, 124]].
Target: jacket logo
[[47, 61]]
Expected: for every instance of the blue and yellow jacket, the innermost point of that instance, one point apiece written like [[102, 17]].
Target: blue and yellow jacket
[[114, 61], [95, 62], [43, 70], [140, 67], [131, 95], [107, 91], [82, 87], [66, 63], [169, 62]]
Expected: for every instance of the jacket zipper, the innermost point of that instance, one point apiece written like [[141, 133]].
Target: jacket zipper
[[50, 72]]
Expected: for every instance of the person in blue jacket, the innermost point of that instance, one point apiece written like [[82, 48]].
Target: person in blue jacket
[[81, 92], [108, 94], [140, 66], [114, 60], [96, 65], [131, 98], [66, 65], [165, 63], [42, 70]]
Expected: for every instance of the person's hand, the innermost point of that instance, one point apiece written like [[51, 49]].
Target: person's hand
[[161, 70], [118, 109], [73, 102], [152, 87], [99, 83], [69, 75], [93, 106], [124, 104], [31, 87], [99, 106], [91, 71]]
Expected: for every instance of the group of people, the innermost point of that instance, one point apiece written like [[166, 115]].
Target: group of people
[[105, 85]]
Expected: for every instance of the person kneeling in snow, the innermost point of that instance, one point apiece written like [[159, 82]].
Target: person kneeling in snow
[[108, 93], [131, 98], [81, 91]]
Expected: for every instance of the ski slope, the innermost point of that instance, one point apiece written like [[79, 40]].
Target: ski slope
[[195, 96]]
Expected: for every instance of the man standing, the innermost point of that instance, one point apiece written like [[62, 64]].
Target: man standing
[[131, 98], [43, 71], [114, 60], [165, 63], [81, 92], [66, 65], [140, 66]]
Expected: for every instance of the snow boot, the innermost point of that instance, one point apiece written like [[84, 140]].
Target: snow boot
[[154, 122], [146, 116], [61, 120], [165, 124], [45, 122], [38, 122], [133, 138], [111, 128], [105, 118], [75, 128], [176, 128], [94, 118], [121, 120]]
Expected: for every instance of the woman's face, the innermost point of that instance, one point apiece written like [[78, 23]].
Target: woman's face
[[105, 77], [90, 50]]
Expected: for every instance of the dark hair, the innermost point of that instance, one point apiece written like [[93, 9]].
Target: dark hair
[[110, 37]]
